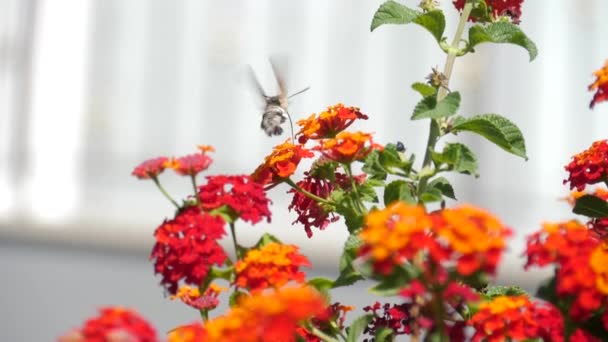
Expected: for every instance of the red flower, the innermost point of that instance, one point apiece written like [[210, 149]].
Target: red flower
[[310, 213], [395, 317], [509, 8], [280, 164], [193, 332], [192, 164], [329, 123], [589, 166], [186, 247], [191, 296], [150, 168], [272, 265], [244, 196], [113, 324], [601, 85]]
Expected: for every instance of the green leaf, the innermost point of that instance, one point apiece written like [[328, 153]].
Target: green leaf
[[391, 285], [356, 329], [424, 89], [458, 157], [372, 166], [265, 239], [431, 195], [501, 32], [367, 192], [429, 108], [392, 12], [398, 190], [384, 334], [234, 297], [496, 291], [432, 21], [496, 129], [378, 164], [320, 283], [591, 206], [444, 186], [348, 274]]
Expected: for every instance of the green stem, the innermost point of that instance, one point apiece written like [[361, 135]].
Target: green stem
[[323, 336], [195, 187], [164, 192], [442, 93], [307, 193], [359, 205], [236, 246]]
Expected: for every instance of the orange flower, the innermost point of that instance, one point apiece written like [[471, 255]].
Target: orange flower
[[474, 234], [191, 296], [271, 317], [281, 163], [347, 147], [193, 332], [506, 318], [272, 265], [601, 84], [328, 123], [394, 234]]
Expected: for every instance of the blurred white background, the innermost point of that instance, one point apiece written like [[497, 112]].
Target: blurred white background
[[90, 88]]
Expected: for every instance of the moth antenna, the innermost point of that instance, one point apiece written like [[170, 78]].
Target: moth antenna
[[290, 127], [299, 92]]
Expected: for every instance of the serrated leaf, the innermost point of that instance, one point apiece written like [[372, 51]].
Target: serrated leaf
[[348, 274], [496, 291], [392, 12], [501, 32], [398, 190], [424, 89], [432, 21], [367, 192], [372, 166], [356, 329], [431, 195], [321, 284], [498, 130], [444, 186], [591, 206], [458, 157], [429, 108]]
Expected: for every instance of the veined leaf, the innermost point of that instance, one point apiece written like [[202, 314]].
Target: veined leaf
[[458, 157], [501, 32], [591, 206], [424, 89], [356, 329], [392, 12], [429, 108]]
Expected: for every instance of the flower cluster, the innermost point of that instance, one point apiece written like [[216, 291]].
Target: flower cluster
[[347, 147], [280, 164], [191, 296], [588, 167], [151, 168], [396, 317], [186, 247], [328, 123], [468, 236], [245, 198], [113, 324], [272, 265], [600, 86], [329, 322], [192, 164], [498, 8], [505, 318], [273, 316], [193, 332], [581, 261]]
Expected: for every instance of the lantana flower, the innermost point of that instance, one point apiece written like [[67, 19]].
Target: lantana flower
[[272, 265], [192, 164], [192, 332], [347, 147], [187, 247], [600, 86], [246, 198], [113, 324], [151, 168], [191, 296], [598, 225], [328, 123], [509, 8], [517, 318], [589, 167], [273, 316], [580, 258], [281, 163]]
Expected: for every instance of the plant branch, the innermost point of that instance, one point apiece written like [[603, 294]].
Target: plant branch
[[307, 193], [164, 192]]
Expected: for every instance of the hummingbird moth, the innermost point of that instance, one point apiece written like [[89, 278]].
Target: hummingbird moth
[[275, 108]]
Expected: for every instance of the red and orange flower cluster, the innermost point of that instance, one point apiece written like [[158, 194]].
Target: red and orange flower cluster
[[468, 237], [113, 324], [499, 8], [581, 260], [516, 318], [589, 167], [189, 165], [270, 266], [600, 86], [191, 296]]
